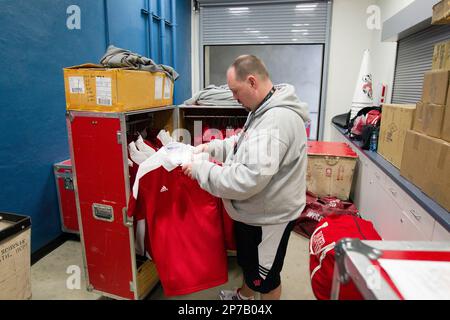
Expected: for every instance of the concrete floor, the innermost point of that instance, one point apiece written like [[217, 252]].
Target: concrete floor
[[49, 276]]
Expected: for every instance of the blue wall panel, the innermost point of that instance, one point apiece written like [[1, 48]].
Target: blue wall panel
[[130, 29], [127, 25], [156, 52], [156, 6], [183, 57], [35, 45], [168, 46]]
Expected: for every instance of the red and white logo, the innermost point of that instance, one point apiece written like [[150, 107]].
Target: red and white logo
[[257, 282]]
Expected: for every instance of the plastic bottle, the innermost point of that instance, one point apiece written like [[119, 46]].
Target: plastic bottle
[[374, 141]]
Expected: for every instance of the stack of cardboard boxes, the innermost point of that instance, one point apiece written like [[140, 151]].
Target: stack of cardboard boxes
[[426, 154]]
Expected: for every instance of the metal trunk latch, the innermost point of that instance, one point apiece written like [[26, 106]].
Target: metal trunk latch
[[356, 245]]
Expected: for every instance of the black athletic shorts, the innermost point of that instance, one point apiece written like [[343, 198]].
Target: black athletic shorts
[[260, 253]]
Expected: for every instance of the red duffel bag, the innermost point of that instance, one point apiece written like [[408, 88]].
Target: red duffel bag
[[317, 209], [321, 249]]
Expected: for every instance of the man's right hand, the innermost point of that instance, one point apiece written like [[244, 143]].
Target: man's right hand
[[201, 148]]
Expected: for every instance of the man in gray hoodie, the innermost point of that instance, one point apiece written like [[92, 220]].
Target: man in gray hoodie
[[263, 178]]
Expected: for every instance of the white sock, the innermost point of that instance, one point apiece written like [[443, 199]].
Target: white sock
[[243, 297]]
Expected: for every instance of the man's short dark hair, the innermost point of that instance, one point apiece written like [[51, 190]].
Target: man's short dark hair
[[246, 65]]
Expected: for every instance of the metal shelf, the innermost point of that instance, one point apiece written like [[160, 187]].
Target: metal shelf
[[171, 107], [215, 117]]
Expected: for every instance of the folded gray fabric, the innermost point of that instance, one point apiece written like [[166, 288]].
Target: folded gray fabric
[[121, 58], [213, 95]]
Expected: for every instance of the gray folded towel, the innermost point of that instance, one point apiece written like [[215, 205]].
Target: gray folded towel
[[213, 95], [121, 58]]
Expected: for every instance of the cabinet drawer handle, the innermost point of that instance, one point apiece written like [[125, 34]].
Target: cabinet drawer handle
[[418, 217]]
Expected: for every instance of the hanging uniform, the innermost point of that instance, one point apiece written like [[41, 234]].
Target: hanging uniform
[[228, 229], [184, 223], [138, 152]]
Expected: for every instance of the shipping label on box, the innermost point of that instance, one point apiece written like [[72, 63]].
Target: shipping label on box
[[103, 90], [396, 120], [76, 85], [15, 267], [168, 88]]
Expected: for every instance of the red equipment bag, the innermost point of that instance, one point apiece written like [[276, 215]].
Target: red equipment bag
[[321, 249], [369, 116], [317, 209], [373, 117]]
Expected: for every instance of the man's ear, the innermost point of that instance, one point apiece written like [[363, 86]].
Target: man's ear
[[252, 80]]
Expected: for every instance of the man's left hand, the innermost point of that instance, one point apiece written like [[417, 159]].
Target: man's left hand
[[187, 170]]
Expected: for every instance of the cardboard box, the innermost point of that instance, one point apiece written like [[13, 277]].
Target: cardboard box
[[413, 159], [441, 56], [437, 186], [441, 13], [433, 119], [95, 88], [426, 163], [445, 133], [396, 120], [435, 87], [419, 117], [15, 257], [330, 170]]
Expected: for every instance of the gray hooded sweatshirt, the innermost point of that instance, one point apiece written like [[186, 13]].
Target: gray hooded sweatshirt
[[263, 178]]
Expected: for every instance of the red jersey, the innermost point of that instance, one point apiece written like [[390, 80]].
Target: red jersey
[[185, 231]]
